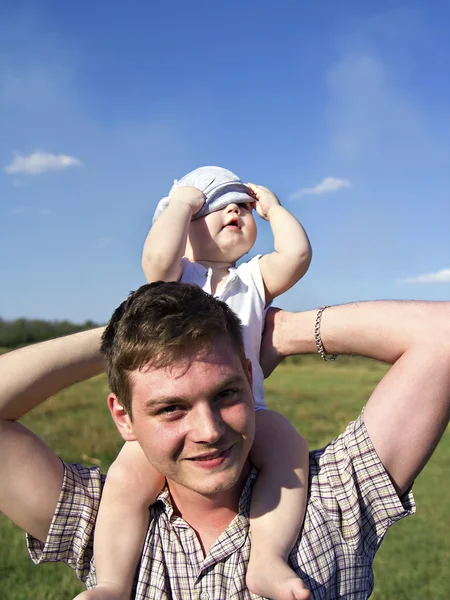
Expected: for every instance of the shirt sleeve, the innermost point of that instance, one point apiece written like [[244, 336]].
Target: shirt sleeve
[[251, 269], [192, 272], [353, 487], [70, 537]]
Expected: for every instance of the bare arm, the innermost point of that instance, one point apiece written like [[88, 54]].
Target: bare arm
[[30, 473], [292, 254], [410, 408], [166, 241]]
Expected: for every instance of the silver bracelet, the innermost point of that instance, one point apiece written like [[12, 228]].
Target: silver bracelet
[[319, 345]]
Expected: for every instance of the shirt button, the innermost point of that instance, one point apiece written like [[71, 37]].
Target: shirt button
[[204, 596]]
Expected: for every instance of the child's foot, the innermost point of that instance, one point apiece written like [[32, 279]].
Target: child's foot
[[103, 591], [272, 578]]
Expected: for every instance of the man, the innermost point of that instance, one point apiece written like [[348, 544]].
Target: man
[[181, 387]]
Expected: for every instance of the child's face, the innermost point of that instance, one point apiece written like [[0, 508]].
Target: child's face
[[224, 235]]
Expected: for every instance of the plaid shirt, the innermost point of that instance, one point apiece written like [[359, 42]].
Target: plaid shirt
[[352, 503]]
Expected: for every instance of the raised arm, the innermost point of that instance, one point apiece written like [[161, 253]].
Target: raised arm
[[166, 240], [292, 254], [410, 408], [30, 473]]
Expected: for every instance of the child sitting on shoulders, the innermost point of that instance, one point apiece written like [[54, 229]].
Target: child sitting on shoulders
[[199, 232]]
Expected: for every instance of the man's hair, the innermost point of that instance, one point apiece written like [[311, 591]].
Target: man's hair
[[161, 323]]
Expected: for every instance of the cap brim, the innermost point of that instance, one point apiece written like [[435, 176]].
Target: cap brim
[[224, 195]]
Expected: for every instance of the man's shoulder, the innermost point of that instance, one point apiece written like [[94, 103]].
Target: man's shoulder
[[81, 491], [349, 483], [352, 447], [78, 477], [70, 537]]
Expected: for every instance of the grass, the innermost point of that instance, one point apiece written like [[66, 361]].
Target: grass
[[320, 399]]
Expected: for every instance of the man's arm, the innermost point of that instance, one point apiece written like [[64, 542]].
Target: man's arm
[[282, 268], [30, 473], [410, 408], [166, 241]]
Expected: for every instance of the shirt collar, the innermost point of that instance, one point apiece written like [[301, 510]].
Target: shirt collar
[[165, 501], [202, 271]]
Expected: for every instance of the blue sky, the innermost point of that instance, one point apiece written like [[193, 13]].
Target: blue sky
[[342, 108]]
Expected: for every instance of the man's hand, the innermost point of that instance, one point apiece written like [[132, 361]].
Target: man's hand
[[286, 334], [191, 196], [265, 199]]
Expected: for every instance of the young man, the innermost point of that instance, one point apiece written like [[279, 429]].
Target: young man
[[175, 360]]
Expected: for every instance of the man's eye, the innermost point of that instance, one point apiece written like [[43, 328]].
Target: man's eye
[[167, 410], [247, 206], [227, 394]]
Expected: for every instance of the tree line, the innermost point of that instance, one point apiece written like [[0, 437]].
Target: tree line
[[21, 332]]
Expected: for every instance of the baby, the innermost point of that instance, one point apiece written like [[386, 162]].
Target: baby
[[199, 231]]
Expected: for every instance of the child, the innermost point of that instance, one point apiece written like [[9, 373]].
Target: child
[[199, 232]]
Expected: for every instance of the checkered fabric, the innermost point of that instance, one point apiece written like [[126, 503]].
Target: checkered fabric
[[352, 503]]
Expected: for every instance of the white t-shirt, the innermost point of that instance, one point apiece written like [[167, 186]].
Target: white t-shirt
[[243, 291]]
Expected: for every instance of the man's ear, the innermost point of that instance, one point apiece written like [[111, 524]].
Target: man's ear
[[121, 418]]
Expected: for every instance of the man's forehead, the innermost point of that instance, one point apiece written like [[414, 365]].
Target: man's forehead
[[220, 358]]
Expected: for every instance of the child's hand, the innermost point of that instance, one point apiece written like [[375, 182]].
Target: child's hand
[[265, 199], [191, 196]]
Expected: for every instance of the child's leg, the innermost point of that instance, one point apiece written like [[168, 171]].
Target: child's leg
[[278, 507], [131, 486]]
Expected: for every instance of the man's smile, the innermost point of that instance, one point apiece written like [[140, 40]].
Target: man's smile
[[211, 460]]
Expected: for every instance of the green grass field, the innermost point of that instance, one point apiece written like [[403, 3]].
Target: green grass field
[[320, 399]]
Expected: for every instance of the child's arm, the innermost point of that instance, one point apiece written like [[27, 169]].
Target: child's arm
[[131, 486], [278, 506], [282, 268], [166, 240]]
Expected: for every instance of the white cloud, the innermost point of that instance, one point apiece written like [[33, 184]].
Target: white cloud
[[327, 185], [439, 277], [39, 162]]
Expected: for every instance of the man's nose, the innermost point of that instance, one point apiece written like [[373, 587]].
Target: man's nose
[[207, 425], [233, 207]]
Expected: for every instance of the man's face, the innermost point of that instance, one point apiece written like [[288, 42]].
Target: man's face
[[195, 421], [223, 235]]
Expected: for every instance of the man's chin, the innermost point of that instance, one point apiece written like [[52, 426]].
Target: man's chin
[[209, 484], [216, 483]]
